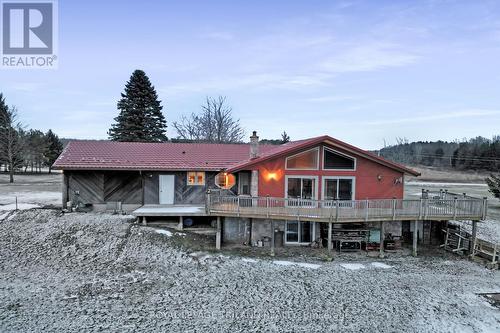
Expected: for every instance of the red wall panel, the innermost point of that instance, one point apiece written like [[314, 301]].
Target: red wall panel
[[368, 186]]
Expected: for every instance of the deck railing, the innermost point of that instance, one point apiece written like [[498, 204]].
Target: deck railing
[[347, 210]]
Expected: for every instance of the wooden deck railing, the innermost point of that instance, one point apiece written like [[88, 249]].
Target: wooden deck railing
[[347, 210]]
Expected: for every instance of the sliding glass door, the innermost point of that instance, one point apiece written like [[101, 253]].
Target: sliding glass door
[[299, 232], [338, 189], [301, 189]]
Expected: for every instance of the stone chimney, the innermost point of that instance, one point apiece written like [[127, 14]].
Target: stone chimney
[[254, 145]]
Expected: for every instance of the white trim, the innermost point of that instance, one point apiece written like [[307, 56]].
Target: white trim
[[316, 178], [323, 181], [305, 151], [298, 243], [341, 154]]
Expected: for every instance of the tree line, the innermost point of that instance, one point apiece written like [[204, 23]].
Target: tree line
[[474, 154], [22, 149]]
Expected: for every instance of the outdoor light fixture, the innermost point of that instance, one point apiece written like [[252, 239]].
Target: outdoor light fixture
[[379, 177], [272, 176]]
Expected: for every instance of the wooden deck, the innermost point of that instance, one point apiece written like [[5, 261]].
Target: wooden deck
[[347, 211]]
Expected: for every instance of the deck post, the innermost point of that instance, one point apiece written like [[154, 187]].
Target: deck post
[[267, 207], [393, 209], [472, 243], [65, 191], [415, 238], [455, 207], [330, 227], [144, 221], [218, 234], [367, 204], [272, 238], [337, 210], [382, 237], [180, 225], [485, 208]]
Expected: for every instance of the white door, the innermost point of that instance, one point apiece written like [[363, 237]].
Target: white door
[[167, 189]]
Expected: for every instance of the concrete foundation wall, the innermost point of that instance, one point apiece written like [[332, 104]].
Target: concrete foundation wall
[[236, 230]]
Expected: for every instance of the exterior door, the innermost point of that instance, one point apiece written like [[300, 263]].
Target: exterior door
[[167, 189]]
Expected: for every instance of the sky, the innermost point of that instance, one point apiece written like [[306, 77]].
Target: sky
[[366, 72]]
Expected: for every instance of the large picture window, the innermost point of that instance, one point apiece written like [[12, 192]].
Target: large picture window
[[307, 160], [333, 160], [195, 178]]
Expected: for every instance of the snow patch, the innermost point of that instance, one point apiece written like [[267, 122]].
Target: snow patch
[[353, 267], [20, 206], [300, 264], [4, 215], [163, 232], [380, 265], [249, 260]]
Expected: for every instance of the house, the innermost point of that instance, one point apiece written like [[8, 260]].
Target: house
[[308, 190]]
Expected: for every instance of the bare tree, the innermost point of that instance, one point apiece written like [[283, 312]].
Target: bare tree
[[215, 123], [11, 145]]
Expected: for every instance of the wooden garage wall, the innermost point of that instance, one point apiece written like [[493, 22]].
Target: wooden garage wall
[[97, 187], [105, 186]]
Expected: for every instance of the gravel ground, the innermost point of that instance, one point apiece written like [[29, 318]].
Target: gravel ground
[[94, 272]]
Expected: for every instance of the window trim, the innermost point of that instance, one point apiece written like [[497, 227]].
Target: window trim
[[316, 178], [305, 151], [196, 177], [341, 154], [325, 178]]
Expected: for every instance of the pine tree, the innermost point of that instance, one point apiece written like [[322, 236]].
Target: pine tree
[[140, 117], [53, 149], [285, 137], [494, 185]]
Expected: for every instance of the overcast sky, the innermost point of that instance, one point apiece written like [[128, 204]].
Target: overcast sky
[[360, 71]]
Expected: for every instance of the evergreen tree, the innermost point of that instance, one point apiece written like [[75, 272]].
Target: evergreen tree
[[494, 185], [285, 137], [140, 117], [53, 149]]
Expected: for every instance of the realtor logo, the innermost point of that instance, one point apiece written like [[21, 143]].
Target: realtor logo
[[28, 34]]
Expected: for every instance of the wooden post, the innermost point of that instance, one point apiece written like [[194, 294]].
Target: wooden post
[[272, 238], [180, 225], [144, 220], [415, 238], [393, 209], [218, 235], [330, 227], [382, 237], [455, 207], [485, 208], [65, 191], [472, 242]]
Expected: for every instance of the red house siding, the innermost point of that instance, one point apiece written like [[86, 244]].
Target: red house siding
[[367, 185]]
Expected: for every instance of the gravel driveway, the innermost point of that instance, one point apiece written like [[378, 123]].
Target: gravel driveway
[[94, 272]]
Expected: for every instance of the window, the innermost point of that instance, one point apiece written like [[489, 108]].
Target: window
[[333, 160], [307, 160], [225, 180], [299, 232], [338, 188], [300, 187], [196, 178]]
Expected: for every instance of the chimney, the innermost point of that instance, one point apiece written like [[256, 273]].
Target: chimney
[[254, 145]]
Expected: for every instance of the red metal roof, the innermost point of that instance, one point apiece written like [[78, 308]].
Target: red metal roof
[[291, 147], [112, 155]]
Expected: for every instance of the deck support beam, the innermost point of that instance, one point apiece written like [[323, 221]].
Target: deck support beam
[[65, 184], [382, 237], [218, 234], [272, 238], [330, 245], [472, 243], [415, 238], [180, 225]]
